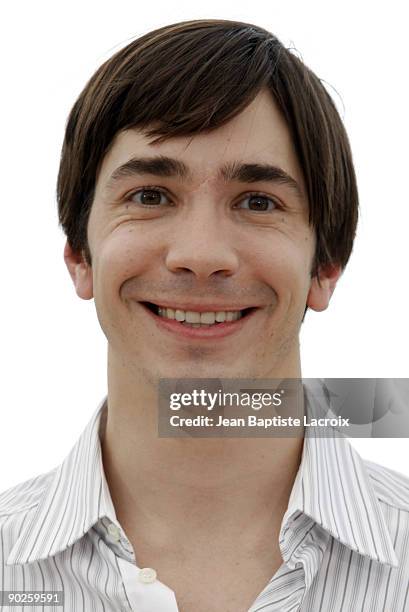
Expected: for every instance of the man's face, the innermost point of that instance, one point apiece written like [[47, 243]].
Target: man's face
[[203, 243]]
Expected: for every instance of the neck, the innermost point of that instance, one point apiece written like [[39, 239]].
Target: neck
[[174, 484]]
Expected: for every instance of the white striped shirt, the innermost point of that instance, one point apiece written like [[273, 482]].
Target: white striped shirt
[[344, 538]]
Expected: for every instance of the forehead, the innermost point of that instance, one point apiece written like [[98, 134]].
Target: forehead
[[259, 134]]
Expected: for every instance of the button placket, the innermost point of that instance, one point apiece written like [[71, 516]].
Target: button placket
[[114, 532], [147, 575]]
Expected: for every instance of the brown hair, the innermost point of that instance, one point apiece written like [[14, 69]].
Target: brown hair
[[192, 77]]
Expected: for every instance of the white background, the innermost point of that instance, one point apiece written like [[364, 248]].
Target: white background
[[52, 349]]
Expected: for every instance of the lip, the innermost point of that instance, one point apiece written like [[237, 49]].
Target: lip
[[203, 308], [221, 330]]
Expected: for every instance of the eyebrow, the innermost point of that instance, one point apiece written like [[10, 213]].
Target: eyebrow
[[164, 166]]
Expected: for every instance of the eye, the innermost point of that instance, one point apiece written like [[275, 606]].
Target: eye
[[258, 202], [148, 196]]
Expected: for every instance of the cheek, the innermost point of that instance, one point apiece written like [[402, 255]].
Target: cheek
[[126, 253], [123, 255], [282, 261]]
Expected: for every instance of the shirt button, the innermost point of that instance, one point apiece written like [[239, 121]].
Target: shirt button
[[147, 575], [114, 531]]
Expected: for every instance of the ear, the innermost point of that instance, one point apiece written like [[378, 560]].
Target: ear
[[319, 295], [80, 272]]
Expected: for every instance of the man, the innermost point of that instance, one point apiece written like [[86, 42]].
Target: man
[[203, 247]]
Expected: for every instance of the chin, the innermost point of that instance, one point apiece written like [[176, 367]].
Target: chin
[[192, 370], [242, 371]]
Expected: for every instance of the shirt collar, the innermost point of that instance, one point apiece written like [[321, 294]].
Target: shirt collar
[[77, 497], [332, 488]]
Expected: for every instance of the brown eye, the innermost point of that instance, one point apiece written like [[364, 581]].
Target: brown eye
[[147, 197], [259, 203]]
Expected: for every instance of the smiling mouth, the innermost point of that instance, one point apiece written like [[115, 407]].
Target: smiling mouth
[[190, 318]]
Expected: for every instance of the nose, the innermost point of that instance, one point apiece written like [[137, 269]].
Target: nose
[[202, 245]]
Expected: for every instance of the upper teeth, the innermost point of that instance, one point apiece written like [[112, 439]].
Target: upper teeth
[[199, 317]]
